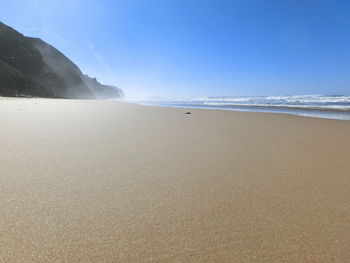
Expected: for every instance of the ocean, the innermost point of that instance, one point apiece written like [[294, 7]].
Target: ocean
[[318, 106]]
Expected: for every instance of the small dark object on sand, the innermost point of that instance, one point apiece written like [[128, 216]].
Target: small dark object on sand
[[188, 112]]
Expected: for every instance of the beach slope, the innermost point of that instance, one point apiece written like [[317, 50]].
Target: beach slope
[[99, 181]]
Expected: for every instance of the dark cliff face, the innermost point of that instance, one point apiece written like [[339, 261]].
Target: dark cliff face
[[31, 67]]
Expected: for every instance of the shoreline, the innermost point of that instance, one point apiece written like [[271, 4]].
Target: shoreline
[[338, 114], [92, 181], [331, 114]]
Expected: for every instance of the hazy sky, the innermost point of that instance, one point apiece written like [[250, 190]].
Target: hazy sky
[[198, 48]]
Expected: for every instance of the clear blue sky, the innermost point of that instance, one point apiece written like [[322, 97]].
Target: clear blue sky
[[198, 48]]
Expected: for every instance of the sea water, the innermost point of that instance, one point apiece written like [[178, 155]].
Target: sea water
[[319, 106]]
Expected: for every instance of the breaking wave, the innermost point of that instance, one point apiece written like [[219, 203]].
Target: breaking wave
[[334, 107]]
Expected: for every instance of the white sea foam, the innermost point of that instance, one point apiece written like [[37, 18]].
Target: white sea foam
[[301, 106], [296, 101], [331, 107]]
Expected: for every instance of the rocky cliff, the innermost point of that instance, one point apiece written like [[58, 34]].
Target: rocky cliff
[[31, 67]]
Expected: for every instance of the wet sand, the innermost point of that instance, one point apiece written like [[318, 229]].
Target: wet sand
[[94, 181]]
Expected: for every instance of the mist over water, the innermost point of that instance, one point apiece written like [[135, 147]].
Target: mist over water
[[320, 106]]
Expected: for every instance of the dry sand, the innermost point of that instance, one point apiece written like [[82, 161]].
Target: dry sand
[[94, 181]]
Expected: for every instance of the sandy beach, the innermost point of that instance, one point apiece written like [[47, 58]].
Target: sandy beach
[[102, 181]]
